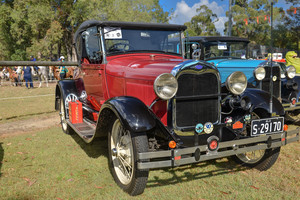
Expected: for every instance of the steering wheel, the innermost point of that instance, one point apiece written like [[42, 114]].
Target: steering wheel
[[209, 55], [120, 47]]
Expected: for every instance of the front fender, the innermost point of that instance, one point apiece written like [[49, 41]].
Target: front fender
[[132, 112], [261, 99], [64, 88], [297, 80]]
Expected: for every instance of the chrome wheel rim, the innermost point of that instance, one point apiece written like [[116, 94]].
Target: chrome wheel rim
[[252, 157], [122, 153], [69, 98]]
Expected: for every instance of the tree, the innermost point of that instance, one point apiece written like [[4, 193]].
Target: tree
[[251, 20], [292, 24], [202, 23], [46, 27]]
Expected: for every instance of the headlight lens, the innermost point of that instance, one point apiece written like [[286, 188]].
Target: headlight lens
[[260, 73], [291, 71], [282, 74], [236, 83], [165, 86]]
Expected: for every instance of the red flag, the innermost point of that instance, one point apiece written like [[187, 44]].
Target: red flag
[[257, 20], [295, 11], [246, 21], [265, 17]]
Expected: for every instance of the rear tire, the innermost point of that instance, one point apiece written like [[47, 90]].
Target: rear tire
[[123, 147], [64, 125], [259, 159]]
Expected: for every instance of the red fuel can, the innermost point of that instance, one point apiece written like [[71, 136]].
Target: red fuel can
[[75, 112]]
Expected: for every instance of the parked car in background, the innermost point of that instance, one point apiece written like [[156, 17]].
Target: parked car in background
[[229, 54], [277, 57], [157, 109]]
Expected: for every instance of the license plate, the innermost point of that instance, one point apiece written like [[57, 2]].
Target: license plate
[[266, 126]]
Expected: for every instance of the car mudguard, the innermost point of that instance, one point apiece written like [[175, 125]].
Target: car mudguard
[[64, 88], [132, 112], [296, 79], [261, 99]]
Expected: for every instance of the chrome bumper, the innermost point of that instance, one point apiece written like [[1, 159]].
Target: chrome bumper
[[177, 157], [288, 107]]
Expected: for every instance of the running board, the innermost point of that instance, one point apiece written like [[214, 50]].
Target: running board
[[85, 130]]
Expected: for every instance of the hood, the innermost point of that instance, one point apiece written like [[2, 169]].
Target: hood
[[141, 66], [228, 66]]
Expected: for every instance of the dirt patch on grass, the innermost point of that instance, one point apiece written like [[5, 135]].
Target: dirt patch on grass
[[29, 125]]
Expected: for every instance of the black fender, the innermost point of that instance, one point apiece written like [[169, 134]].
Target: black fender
[[289, 90], [133, 113], [296, 79], [261, 100], [64, 88]]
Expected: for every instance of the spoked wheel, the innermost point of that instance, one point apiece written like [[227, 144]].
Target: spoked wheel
[[64, 125], [293, 117], [259, 159], [123, 149]]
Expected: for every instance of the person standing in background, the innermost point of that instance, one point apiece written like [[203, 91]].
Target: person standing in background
[[19, 73], [27, 76], [62, 69]]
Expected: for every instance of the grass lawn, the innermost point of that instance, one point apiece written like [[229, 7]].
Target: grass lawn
[[51, 165], [21, 103]]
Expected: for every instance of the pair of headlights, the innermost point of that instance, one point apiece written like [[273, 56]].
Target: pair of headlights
[[166, 85], [260, 73]]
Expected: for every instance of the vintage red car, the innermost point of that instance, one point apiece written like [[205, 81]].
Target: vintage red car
[[157, 109]]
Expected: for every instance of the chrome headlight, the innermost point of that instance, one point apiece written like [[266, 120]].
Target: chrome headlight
[[236, 83], [260, 73], [282, 74], [291, 71], [165, 86]]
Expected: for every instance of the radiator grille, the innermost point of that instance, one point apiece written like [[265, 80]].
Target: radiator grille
[[276, 84], [191, 111]]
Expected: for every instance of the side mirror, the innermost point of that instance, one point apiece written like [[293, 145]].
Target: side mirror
[[85, 34]]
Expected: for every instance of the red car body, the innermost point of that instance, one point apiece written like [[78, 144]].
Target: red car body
[[126, 75]]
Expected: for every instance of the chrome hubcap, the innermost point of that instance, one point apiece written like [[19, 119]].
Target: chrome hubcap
[[122, 153]]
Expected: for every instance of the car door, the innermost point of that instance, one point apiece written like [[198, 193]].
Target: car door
[[92, 67]]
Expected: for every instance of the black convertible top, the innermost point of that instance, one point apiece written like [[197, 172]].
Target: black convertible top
[[217, 38], [132, 25]]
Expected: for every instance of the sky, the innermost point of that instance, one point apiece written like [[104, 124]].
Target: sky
[[184, 10]]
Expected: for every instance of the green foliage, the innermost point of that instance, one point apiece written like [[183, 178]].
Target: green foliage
[[256, 13], [45, 28], [292, 29], [202, 23]]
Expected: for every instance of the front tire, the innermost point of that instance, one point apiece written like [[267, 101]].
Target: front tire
[[259, 159], [123, 147]]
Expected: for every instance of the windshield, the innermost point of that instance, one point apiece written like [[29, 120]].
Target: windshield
[[224, 49], [119, 40]]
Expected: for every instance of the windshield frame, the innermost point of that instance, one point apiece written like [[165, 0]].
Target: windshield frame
[[106, 53], [204, 46]]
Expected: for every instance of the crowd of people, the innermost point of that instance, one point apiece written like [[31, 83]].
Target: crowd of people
[[19, 74]]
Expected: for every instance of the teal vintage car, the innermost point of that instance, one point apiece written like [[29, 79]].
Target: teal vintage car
[[230, 54]]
